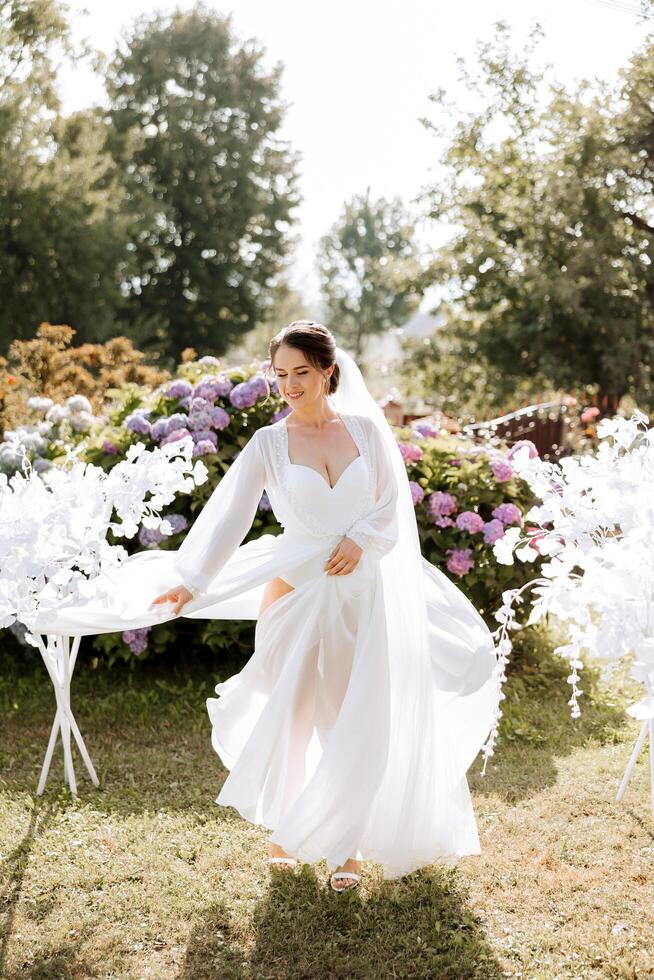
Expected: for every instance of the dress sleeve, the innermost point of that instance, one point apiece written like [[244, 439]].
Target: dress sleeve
[[377, 532], [224, 520]]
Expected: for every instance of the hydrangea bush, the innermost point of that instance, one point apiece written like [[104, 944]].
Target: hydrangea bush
[[465, 496]]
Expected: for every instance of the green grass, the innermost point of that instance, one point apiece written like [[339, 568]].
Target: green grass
[[147, 877]]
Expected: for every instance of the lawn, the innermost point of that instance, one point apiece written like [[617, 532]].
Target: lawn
[[147, 877]]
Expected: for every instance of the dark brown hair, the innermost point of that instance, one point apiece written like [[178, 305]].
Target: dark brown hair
[[316, 343]]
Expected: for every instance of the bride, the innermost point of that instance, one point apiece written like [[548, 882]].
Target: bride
[[372, 684]]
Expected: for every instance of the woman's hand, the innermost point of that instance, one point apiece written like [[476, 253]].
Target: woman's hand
[[344, 558], [179, 595]]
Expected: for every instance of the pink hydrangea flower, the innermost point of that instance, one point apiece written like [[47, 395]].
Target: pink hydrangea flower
[[493, 530], [460, 561], [501, 469], [508, 514], [518, 445], [203, 447], [410, 452], [589, 414], [440, 506], [469, 520], [174, 436], [417, 493]]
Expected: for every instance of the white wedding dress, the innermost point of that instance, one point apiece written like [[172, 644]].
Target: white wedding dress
[[340, 734]]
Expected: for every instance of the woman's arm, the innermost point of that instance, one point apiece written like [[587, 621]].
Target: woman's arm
[[376, 532], [224, 520]]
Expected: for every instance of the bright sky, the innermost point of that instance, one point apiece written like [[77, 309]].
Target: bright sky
[[358, 74]]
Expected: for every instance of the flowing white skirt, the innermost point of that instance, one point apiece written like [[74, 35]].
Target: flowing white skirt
[[303, 728]]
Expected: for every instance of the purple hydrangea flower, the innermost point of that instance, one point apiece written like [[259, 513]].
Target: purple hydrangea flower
[[185, 403], [159, 429], [460, 561], [440, 506], [410, 452], [225, 385], [203, 447], [110, 447], [493, 530], [176, 421], [469, 520], [200, 419], [174, 436], [264, 503], [425, 429], [243, 395], [455, 461], [220, 419], [179, 388], [150, 537], [136, 422], [136, 640], [502, 470], [208, 389], [522, 442], [259, 385], [205, 435], [417, 493], [200, 404], [508, 514], [178, 522], [281, 414]]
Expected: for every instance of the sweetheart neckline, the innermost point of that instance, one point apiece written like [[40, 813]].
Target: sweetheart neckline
[[321, 477], [304, 466]]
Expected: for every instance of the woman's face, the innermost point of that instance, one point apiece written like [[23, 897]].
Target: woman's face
[[300, 384]]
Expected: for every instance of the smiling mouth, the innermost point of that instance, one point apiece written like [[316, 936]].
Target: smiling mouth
[[296, 394]]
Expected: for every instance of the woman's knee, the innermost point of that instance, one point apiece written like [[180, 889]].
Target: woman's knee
[[273, 591]]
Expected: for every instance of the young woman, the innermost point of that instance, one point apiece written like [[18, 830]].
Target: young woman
[[371, 687]]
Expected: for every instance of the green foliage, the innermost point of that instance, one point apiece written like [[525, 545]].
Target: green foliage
[[369, 267], [61, 231], [210, 187], [549, 275]]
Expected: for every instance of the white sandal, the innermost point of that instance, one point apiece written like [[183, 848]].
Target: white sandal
[[283, 860], [345, 874]]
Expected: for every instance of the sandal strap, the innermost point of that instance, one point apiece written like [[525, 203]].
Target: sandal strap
[[280, 860], [346, 874]]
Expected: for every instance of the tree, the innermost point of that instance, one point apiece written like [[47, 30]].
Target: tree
[[369, 266], [193, 122], [61, 234], [545, 272]]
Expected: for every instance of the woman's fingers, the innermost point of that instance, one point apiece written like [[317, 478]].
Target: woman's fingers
[[171, 596], [342, 567]]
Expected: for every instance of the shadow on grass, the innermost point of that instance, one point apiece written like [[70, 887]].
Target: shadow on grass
[[13, 866], [148, 732], [417, 926], [537, 728]]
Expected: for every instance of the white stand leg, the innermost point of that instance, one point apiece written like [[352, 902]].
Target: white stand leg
[[60, 662], [646, 728]]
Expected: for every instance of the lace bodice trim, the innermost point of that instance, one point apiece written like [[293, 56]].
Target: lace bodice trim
[[355, 427]]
